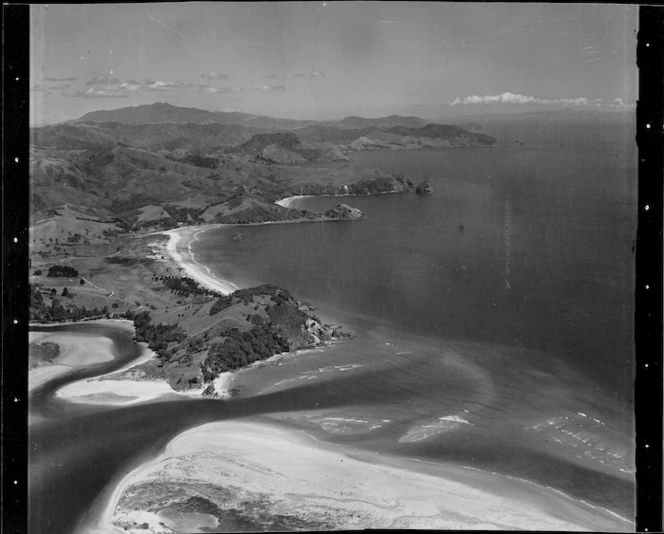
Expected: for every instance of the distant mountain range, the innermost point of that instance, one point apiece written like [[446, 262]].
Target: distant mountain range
[[162, 112], [181, 131], [155, 157]]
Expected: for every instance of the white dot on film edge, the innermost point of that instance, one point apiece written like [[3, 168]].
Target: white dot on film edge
[[16, 160], [647, 286], [647, 207], [15, 321], [16, 240]]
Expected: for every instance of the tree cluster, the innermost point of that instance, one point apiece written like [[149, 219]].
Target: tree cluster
[[159, 336], [62, 271], [242, 348], [56, 312], [184, 286]]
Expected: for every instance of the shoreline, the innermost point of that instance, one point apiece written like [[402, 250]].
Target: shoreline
[[287, 202], [179, 250], [77, 350], [294, 474]]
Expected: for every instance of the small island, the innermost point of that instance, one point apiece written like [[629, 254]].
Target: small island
[[424, 188]]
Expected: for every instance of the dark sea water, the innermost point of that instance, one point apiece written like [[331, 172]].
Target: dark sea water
[[493, 325], [504, 299]]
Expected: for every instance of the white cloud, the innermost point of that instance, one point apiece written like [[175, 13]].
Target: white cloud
[[103, 80], [67, 79], [512, 98], [218, 90], [214, 75], [104, 92], [313, 74], [111, 87], [268, 87]]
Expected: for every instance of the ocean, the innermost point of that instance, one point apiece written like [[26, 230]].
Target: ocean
[[494, 318]]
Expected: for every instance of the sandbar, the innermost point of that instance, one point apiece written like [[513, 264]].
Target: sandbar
[[77, 350], [270, 476], [128, 386]]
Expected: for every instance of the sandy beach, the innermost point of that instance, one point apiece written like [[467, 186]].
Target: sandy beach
[[179, 249], [108, 390], [273, 476], [76, 351], [288, 201]]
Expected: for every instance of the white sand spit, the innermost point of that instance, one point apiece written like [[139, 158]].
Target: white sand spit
[[264, 473]]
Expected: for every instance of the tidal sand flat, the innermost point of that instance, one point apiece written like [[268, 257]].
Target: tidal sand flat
[[131, 386], [246, 475], [73, 351]]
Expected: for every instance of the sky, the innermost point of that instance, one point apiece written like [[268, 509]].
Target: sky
[[328, 60]]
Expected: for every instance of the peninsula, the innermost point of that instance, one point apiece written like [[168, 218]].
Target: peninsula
[[117, 196]]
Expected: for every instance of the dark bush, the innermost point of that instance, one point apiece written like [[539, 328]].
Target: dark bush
[[62, 271]]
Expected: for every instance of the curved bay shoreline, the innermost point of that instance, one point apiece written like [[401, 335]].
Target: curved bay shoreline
[[547, 512]]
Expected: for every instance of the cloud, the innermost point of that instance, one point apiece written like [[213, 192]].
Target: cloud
[[313, 74], [269, 76], [41, 87], [111, 87], [68, 79], [511, 98], [92, 92], [219, 90], [102, 80], [214, 75], [158, 85], [268, 87]]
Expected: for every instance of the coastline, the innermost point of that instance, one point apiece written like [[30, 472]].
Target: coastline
[[293, 475], [80, 350], [179, 249], [287, 202], [76, 351], [122, 393]]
